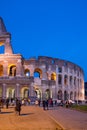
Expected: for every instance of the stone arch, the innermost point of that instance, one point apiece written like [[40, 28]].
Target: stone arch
[[65, 80], [59, 69], [12, 70], [71, 80], [2, 48], [27, 72], [24, 92], [71, 95], [47, 94], [38, 92], [10, 93], [66, 95], [1, 70], [60, 95], [38, 73], [59, 79], [53, 76], [75, 82]]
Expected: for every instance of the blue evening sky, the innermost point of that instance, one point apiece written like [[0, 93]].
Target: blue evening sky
[[54, 28]]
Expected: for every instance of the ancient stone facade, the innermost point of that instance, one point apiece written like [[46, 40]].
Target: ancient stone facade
[[45, 77]]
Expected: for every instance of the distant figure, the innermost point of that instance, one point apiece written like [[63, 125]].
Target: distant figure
[[18, 107], [44, 104], [7, 103]]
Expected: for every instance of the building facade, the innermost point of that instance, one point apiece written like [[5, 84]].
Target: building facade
[[86, 90], [42, 77]]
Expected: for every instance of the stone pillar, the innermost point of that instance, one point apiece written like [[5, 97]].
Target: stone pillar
[[19, 70], [56, 78], [8, 47], [4, 91], [63, 83], [54, 93], [17, 91], [32, 90], [68, 80], [44, 76], [5, 68]]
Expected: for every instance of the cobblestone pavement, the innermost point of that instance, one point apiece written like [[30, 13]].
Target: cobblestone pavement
[[31, 118], [69, 119]]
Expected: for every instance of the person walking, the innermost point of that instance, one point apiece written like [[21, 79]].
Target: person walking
[[7, 103], [44, 104], [18, 107]]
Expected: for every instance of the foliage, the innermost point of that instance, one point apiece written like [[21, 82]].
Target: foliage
[[80, 107]]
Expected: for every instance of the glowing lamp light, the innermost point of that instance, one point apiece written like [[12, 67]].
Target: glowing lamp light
[[27, 74]]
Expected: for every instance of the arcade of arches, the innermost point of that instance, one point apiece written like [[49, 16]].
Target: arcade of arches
[[37, 77]]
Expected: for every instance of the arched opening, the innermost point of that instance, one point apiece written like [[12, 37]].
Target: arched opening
[[59, 69], [38, 73], [53, 76], [37, 92], [75, 82], [25, 92], [12, 70], [71, 95], [60, 95], [1, 70], [59, 79], [27, 72], [2, 48], [10, 93], [65, 80], [71, 80], [66, 96], [47, 94]]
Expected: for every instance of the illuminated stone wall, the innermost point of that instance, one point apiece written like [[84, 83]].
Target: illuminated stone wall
[[42, 77]]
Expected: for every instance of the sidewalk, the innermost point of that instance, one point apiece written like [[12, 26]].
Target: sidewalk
[[31, 118], [69, 119]]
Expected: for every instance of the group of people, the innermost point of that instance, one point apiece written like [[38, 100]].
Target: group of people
[[6, 102], [45, 103]]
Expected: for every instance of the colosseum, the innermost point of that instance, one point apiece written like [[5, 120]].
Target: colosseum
[[42, 77]]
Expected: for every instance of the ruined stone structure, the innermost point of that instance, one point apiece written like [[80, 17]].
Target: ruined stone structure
[[45, 77]]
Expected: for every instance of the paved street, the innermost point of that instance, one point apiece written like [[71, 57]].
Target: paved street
[[31, 118], [69, 119], [35, 118]]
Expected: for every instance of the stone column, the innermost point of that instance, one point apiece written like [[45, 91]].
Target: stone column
[[17, 91], [4, 90], [8, 47], [56, 78], [32, 90], [19, 70], [5, 68], [63, 83]]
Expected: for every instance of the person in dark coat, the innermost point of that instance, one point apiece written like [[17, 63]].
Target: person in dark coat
[[44, 104], [18, 107], [7, 103]]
